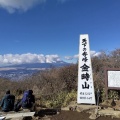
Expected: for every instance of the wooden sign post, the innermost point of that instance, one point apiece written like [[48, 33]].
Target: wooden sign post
[[112, 79]]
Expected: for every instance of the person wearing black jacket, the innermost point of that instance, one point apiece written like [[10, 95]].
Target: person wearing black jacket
[[7, 102]]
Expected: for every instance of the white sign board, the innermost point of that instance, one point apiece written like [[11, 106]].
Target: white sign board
[[85, 78], [113, 78]]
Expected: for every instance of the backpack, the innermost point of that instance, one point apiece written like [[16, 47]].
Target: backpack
[[10, 101], [26, 100]]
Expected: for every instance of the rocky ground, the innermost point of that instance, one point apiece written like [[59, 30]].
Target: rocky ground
[[82, 112], [73, 115], [106, 111], [52, 114]]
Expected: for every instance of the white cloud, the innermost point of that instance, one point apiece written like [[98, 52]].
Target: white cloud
[[12, 59], [28, 58], [92, 53], [21, 5], [52, 58], [69, 57], [24, 5]]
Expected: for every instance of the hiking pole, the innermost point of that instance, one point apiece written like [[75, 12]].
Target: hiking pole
[[98, 95]]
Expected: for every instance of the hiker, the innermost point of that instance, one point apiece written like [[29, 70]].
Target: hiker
[[17, 105], [7, 102], [27, 101]]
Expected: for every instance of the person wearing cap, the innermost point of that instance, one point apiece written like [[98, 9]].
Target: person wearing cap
[[7, 102]]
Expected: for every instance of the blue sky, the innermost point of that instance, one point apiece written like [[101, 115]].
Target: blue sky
[[48, 30]]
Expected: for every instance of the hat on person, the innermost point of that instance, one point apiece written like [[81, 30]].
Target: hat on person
[[8, 92], [31, 91]]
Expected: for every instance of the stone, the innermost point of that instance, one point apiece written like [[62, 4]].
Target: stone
[[45, 118], [2, 118], [79, 109], [93, 116], [19, 116]]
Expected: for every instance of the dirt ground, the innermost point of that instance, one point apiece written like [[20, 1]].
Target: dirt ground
[[73, 115], [68, 115]]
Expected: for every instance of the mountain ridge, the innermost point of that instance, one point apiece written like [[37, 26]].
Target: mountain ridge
[[20, 71]]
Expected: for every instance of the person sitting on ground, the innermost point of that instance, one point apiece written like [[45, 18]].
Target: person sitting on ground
[[27, 101], [7, 102]]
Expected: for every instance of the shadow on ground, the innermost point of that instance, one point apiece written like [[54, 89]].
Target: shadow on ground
[[44, 112]]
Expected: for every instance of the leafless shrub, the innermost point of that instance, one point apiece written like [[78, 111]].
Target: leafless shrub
[[51, 82]]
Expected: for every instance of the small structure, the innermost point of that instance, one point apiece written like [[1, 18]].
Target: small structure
[[112, 79]]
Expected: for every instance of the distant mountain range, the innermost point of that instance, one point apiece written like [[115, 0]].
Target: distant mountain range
[[18, 72]]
